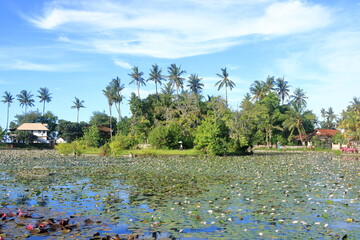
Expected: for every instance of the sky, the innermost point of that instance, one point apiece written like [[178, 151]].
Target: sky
[[76, 47]]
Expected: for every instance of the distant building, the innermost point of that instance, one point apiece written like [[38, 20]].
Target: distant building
[[322, 135], [40, 130]]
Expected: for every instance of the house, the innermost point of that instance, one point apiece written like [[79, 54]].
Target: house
[[40, 130], [319, 138]]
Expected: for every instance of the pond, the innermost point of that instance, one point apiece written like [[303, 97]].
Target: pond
[[264, 196]]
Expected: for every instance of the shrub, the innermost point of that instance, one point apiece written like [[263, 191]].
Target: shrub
[[121, 142], [76, 148], [165, 137], [212, 137]]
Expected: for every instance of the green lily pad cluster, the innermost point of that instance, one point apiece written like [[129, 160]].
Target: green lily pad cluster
[[279, 196]]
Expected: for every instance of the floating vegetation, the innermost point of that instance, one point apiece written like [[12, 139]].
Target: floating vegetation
[[283, 195]]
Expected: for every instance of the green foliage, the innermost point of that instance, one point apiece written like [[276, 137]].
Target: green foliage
[[75, 148], [36, 117], [123, 126], [2, 133], [165, 137], [121, 142], [92, 137], [338, 138], [212, 137], [25, 136], [71, 131], [102, 119]]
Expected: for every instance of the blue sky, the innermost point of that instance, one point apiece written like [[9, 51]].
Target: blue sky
[[76, 47]]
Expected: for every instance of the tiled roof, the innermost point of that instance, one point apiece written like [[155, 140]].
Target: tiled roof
[[33, 126], [327, 132]]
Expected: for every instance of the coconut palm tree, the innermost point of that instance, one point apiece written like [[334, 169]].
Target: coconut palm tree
[[224, 81], [110, 95], [156, 76], [117, 87], [44, 97], [282, 89], [78, 104], [355, 104], [175, 78], [137, 79], [258, 90], [25, 99], [195, 84], [299, 97], [7, 98], [296, 116], [269, 84]]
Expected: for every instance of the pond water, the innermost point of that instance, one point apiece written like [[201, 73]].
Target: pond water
[[277, 196]]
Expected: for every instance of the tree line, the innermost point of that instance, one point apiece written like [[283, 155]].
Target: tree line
[[270, 113]]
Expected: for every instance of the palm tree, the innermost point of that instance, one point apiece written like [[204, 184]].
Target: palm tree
[[137, 79], [258, 90], [78, 104], [355, 104], [117, 87], [110, 95], [224, 81], [296, 116], [195, 84], [175, 78], [25, 99], [44, 97], [156, 76], [7, 98], [282, 89], [299, 97], [269, 84]]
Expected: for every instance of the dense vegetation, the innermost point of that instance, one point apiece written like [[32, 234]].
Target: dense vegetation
[[180, 116]]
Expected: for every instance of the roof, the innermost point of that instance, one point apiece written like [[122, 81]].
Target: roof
[[326, 132], [318, 132], [104, 129], [33, 126]]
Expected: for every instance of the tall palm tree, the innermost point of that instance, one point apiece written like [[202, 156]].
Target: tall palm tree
[[258, 90], [282, 89], [224, 81], [78, 104], [296, 116], [355, 104], [110, 95], [25, 99], [175, 78], [156, 76], [195, 84], [44, 97], [137, 79], [299, 97], [7, 98], [117, 87], [269, 84]]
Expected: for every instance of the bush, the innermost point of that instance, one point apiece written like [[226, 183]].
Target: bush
[[212, 137], [121, 142], [75, 148], [165, 137], [25, 136]]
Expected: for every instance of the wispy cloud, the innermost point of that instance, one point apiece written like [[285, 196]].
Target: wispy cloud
[[178, 28], [32, 66], [122, 64]]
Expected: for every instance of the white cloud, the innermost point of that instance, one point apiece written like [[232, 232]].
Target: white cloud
[[122, 64], [31, 66], [178, 28], [327, 69]]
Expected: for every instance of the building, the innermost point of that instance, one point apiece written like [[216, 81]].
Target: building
[[40, 130], [319, 138]]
